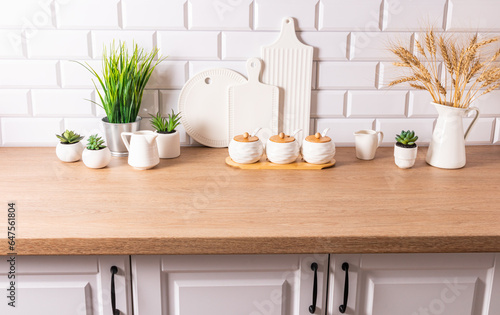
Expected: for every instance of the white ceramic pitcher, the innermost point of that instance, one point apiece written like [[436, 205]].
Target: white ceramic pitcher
[[447, 146], [143, 150]]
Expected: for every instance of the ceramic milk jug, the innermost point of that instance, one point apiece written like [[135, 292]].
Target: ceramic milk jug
[[447, 146], [282, 149], [143, 150], [246, 148], [318, 148]]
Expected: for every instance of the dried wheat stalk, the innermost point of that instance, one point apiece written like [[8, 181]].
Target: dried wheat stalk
[[468, 73]]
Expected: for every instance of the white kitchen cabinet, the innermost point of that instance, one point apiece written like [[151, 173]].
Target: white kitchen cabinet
[[416, 284], [228, 284], [67, 285]]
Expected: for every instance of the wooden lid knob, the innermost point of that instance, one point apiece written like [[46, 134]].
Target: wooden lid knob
[[245, 137], [282, 138], [317, 138]]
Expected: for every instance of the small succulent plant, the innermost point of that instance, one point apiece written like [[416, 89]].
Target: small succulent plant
[[69, 137], [94, 142], [406, 139], [165, 124]]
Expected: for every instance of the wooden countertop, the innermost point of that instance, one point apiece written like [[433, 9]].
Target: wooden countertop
[[195, 204]]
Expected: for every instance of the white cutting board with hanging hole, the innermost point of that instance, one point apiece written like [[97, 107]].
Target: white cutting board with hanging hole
[[288, 65], [253, 104], [203, 104]]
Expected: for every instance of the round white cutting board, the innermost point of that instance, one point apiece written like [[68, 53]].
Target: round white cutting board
[[203, 104]]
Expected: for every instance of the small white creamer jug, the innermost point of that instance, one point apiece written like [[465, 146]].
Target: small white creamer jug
[[143, 150]]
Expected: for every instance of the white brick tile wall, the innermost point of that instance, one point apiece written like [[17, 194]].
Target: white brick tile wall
[[342, 75], [219, 15], [32, 73], [269, 14], [88, 14], [153, 14], [342, 130], [62, 103], [413, 15], [327, 103], [482, 131], [40, 85], [327, 45], [376, 103], [179, 45], [52, 44], [480, 15], [11, 44], [25, 131], [245, 45], [85, 126], [14, 103], [28, 14], [101, 39], [357, 15], [390, 127]]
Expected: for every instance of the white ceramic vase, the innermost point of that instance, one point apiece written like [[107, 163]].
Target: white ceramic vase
[[169, 145], [96, 158], [447, 146], [69, 152], [405, 157]]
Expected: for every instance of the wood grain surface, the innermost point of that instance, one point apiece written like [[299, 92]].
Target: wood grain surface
[[196, 204]]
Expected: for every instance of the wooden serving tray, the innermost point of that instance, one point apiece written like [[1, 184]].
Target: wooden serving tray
[[264, 164]]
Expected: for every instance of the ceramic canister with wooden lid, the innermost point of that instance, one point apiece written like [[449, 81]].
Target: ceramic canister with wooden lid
[[282, 149], [318, 148], [245, 148]]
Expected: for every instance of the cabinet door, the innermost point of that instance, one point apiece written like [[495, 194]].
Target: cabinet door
[[414, 284], [66, 285], [228, 285]]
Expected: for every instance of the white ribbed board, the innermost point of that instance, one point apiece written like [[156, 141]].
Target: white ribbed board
[[288, 65]]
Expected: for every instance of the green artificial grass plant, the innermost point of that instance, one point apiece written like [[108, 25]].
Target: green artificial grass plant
[[124, 77]]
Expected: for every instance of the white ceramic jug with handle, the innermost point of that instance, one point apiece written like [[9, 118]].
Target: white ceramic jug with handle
[[143, 150]]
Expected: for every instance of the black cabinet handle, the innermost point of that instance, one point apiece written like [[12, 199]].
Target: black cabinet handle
[[312, 308], [345, 267], [114, 270]]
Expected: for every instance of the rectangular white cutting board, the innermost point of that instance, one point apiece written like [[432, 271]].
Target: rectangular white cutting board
[[253, 105], [288, 65]]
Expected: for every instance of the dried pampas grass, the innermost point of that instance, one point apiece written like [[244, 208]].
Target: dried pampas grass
[[469, 73]]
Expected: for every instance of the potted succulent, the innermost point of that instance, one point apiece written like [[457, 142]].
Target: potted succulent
[[124, 77], [470, 70], [69, 148], [405, 149], [96, 154], [169, 144]]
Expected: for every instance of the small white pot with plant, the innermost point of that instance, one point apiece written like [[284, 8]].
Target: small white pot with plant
[[69, 148], [168, 140], [96, 154], [405, 149]]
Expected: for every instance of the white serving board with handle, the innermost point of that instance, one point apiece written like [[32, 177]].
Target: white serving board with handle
[[203, 104], [253, 104], [288, 65]]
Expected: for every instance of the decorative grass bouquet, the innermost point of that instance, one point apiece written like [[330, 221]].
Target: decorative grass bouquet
[[124, 77], [470, 71]]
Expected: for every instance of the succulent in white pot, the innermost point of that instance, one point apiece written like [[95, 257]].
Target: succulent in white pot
[[69, 148], [96, 154], [168, 140], [405, 149]]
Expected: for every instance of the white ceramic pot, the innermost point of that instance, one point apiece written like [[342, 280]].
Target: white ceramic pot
[[447, 146], [169, 145], [245, 152], [281, 149], [318, 148], [96, 158], [69, 152], [405, 157]]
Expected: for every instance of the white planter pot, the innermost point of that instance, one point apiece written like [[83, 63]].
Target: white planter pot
[[169, 145], [96, 158], [405, 157], [69, 152]]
